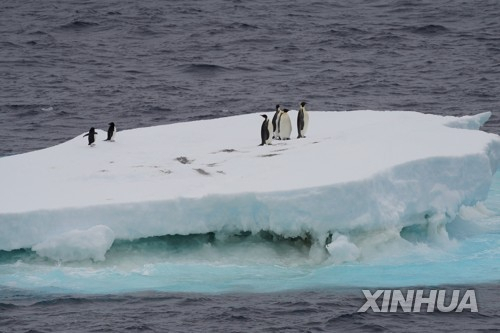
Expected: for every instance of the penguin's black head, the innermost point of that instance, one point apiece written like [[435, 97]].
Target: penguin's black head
[[277, 106], [111, 124], [285, 110], [264, 115], [302, 104], [92, 130]]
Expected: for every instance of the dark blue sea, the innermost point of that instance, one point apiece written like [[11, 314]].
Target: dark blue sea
[[66, 66]]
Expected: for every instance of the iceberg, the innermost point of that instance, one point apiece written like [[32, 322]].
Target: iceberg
[[357, 173]]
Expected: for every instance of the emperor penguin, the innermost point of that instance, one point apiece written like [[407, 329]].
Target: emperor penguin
[[91, 134], [302, 120], [111, 132], [275, 121], [265, 131], [285, 125]]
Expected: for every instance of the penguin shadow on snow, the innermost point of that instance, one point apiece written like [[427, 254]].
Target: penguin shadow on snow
[[213, 165], [157, 167], [184, 160], [233, 152], [227, 150], [202, 172]]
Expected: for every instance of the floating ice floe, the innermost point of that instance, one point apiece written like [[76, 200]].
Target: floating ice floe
[[356, 172]]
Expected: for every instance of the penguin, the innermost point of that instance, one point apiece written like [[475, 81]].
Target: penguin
[[302, 121], [91, 134], [275, 121], [270, 129], [265, 134], [285, 125], [111, 132]]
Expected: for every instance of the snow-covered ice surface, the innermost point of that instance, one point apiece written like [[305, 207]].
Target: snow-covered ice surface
[[359, 181]]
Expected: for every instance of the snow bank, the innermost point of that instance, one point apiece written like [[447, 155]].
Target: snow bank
[[356, 172]]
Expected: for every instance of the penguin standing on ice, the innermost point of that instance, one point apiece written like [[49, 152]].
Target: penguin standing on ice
[[275, 121], [265, 131], [285, 125], [91, 134], [302, 121], [111, 132]]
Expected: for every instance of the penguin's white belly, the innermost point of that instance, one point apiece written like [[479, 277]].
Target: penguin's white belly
[[306, 123], [277, 132], [285, 127], [270, 129]]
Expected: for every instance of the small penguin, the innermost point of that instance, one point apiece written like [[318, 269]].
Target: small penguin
[[275, 121], [111, 132], [302, 121], [91, 134], [265, 134], [285, 126]]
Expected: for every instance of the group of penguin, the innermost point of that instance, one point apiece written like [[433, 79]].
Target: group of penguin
[[281, 126], [92, 133]]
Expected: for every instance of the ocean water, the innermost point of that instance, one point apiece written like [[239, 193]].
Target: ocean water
[[68, 66]]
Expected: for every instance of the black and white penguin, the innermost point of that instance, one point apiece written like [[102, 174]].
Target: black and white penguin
[[275, 121], [91, 134], [111, 132], [302, 120], [285, 126], [265, 133]]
